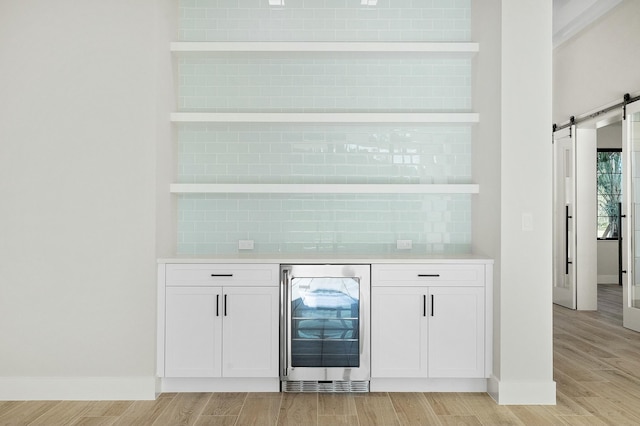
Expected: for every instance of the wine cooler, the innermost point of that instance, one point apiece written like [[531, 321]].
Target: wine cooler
[[324, 328]]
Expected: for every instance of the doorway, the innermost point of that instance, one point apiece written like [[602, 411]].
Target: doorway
[[609, 188], [613, 137]]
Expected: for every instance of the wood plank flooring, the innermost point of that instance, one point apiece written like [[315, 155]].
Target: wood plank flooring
[[596, 366]]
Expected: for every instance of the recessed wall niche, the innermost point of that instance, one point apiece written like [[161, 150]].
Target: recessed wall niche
[[322, 151]]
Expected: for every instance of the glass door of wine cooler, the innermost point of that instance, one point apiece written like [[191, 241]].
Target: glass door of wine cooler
[[325, 322]]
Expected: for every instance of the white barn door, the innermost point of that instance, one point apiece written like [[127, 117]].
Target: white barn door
[[575, 218]]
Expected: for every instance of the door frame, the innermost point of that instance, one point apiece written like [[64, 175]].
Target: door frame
[[630, 314]]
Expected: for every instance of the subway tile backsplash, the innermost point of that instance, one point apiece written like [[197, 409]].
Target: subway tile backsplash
[[324, 153], [321, 223], [324, 82], [325, 20], [212, 224]]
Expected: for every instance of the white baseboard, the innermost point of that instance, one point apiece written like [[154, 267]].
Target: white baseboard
[[522, 393], [77, 388], [240, 384], [428, 385], [607, 279]]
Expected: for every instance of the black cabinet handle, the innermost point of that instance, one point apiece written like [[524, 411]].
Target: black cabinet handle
[[432, 305], [429, 275], [225, 305], [217, 305], [424, 305], [221, 275]]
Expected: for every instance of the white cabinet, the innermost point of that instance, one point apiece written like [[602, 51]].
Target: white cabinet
[[193, 332], [398, 332], [431, 326], [456, 332], [226, 330], [250, 328], [428, 321]]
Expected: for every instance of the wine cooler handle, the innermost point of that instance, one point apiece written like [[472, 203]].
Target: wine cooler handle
[[285, 322]]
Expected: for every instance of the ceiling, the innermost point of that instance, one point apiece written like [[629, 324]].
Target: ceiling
[[571, 16]]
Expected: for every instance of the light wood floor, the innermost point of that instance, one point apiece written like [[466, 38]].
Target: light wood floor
[[597, 369]]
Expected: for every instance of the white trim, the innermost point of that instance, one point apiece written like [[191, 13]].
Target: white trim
[[265, 188], [522, 392], [573, 16], [427, 385], [493, 384], [77, 388], [161, 309], [585, 217], [488, 324], [236, 384], [408, 258], [266, 46], [324, 117]]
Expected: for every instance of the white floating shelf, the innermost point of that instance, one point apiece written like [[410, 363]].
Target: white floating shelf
[[270, 46], [202, 188], [328, 117]]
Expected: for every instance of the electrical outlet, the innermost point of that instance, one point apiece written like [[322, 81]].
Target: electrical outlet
[[245, 244], [404, 244]]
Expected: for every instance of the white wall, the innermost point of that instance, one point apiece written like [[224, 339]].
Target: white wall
[[486, 145], [87, 152], [78, 179], [595, 68], [515, 46], [610, 136], [524, 328], [599, 65], [607, 262]]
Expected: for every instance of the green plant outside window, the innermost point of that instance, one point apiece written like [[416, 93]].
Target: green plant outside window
[[609, 184]]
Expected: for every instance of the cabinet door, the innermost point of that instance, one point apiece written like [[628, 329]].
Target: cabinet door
[[456, 332], [250, 328], [193, 332], [398, 332]]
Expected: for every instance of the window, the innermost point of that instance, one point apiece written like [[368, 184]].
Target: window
[[609, 184]]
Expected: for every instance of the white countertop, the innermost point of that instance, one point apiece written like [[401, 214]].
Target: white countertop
[[330, 259]]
